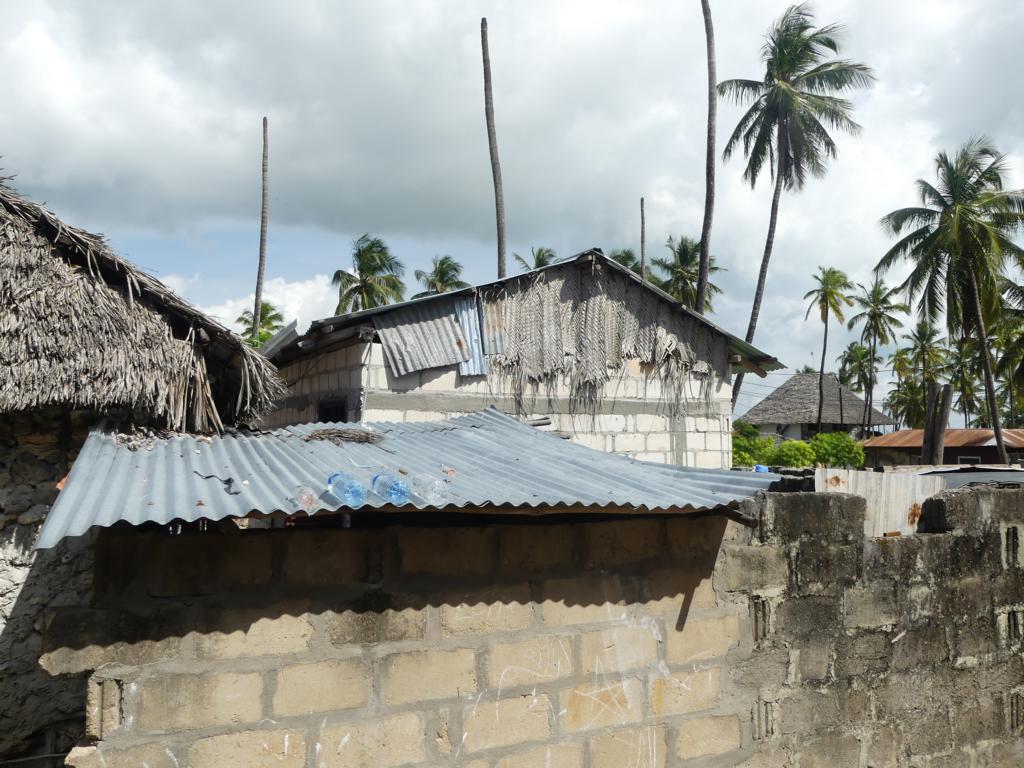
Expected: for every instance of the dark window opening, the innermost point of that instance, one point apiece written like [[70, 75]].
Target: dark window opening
[[332, 411], [1012, 546]]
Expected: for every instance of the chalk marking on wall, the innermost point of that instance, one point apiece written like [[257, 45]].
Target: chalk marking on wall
[[167, 752]]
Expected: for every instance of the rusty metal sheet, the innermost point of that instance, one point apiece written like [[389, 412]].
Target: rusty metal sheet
[[422, 335]]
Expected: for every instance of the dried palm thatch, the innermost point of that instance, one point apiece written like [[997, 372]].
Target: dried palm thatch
[[81, 327]]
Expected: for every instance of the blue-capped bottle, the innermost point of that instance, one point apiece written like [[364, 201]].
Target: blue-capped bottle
[[390, 488], [349, 490]]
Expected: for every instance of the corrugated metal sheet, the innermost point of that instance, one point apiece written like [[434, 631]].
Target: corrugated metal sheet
[[492, 307], [489, 460], [421, 335], [468, 314], [955, 438], [894, 499]]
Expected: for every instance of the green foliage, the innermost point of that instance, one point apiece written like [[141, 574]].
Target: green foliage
[[271, 322], [445, 276], [677, 275], [837, 449], [748, 447], [793, 453]]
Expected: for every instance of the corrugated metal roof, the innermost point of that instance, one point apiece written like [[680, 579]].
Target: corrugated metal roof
[[468, 314], [488, 460], [955, 438], [421, 336]]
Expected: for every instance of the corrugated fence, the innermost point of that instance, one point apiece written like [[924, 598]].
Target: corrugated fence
[[893, 499]]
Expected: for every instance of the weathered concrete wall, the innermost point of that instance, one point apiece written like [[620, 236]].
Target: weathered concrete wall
[[632, 416], [642, 643], [36, 712]]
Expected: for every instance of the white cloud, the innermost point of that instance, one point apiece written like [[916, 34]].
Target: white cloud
[[300, 300]]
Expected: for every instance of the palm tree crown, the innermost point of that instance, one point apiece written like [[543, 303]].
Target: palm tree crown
[[878, 313], [375, 279], [626, 258], [271, 321], [541, 257], [681, 271], [926, 351], [445, 276], [958, 241], [828, 298]]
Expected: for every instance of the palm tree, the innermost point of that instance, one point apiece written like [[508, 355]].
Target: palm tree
[[962, 365], [1008, 343], [906, 403], [626, 258], [445, 276], [878, 311], [854, 364], [926, 349], [492, 145], [682, 271], [540, 257], [261, 268], [958, 242], [795, 104], [709, 162], [375, 279], [270, 322], [829, 298]]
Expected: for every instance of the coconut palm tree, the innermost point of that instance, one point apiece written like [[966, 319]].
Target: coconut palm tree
[[375, 279], [492, 145], [254, 338], [829, 297], [709, 163], [445, 276], [793, 107], [270, 323], [926, 350], [961, 368], [854, 364], [878, 313], [681, 271], [906, 402], [539, 257], [1008, 344], [958, 242], [626, 258]]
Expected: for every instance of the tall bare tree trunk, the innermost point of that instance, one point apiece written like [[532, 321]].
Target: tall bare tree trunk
[[265, 210], [986, 363], [869, 405], [709, 165], [492, 141], [821, 376], [643, 241], [762, 276]]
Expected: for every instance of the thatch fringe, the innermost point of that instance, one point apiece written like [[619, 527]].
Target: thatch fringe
[[82, 327]]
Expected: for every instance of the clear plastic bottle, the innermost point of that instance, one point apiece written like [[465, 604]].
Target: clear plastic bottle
[[351, 492], [431, 489], [391, 488], [306, 498]]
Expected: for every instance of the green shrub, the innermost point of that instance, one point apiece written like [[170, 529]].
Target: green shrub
[[748, 447], [793, 453], [837, 449]]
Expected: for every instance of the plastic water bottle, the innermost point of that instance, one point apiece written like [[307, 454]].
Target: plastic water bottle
[[431, 489], [306, 497], [391, 488], [347, 488]]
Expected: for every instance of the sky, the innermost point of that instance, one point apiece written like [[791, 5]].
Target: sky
[[142, 121]]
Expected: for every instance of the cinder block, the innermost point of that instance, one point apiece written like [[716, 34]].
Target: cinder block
[[280, 629], [440, 380], [447, 551], [178, 702], [619, 649], [321, 686], [673, 590], [540, 659], [582, 600], [705, 736], [614, 543], [545, 756], [601, 705], [151, 755], [702, 639], [748, 569], [873, 605], [659, 441], [654, 457], [427, 675], [491, 724], [685, 692], [693, 537], [250, 749], [596, 442], [377, 622], [331, 558], [503, 608], [634, 747], [536, 548], [613, 423], [647, 422], [384, 743], [630, 443]]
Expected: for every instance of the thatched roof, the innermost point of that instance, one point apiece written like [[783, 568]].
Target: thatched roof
[[83, 328], [796, 402]]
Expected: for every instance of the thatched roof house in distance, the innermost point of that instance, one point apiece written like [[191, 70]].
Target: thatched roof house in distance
[[85, 336], [82, 328], [791, 411]]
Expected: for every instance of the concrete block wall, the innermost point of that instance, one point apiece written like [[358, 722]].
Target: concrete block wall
[[335, 375], [639, 642], [35, 452]]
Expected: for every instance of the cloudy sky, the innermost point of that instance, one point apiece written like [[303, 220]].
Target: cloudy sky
[[142, 120]]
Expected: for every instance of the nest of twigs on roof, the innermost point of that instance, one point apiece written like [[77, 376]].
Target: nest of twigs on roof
[[341, 436]]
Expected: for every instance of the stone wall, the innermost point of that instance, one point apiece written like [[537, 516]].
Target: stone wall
[[37, 713], [632, 416], [646, 643]]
